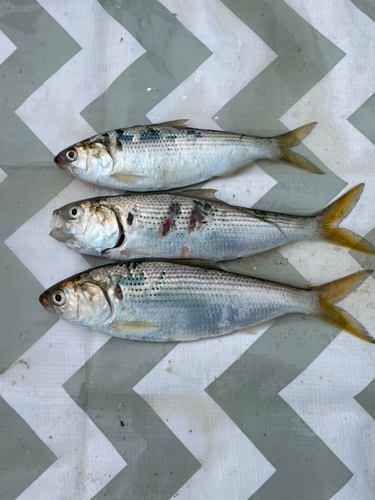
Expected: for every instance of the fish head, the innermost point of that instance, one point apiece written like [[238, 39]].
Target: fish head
[[82, 303], [87, 226], [89, 160]]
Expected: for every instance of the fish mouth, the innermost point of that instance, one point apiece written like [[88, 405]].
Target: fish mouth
[[60, 163], [43, 300], [59, 231]]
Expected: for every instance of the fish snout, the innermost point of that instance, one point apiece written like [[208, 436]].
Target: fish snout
[[43, 299], [59, 231], [60, 161]]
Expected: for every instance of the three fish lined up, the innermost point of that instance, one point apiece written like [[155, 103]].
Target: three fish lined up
[[141, 300]]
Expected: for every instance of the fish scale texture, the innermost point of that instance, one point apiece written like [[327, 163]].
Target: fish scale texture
[[207, 302]]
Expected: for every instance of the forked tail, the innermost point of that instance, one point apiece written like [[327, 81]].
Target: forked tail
[[333, 215], [291, 139], [333, 292]]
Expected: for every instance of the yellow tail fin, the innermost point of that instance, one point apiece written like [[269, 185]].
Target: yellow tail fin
[[333, 292], [332, 216], [291, 139]]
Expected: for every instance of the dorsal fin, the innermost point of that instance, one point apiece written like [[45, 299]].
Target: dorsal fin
[[173, 123]]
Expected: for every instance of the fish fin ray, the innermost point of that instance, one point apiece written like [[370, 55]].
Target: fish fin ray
[[333, 215], [132, 325], [327, 310], [173, 123], [290, 140]]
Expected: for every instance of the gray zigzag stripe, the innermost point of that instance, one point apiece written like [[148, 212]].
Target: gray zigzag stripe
[[366, 399], [366, 6], [24, 456], [363, 119], [158, 464], [173, 53], [294, 342], [42, 48]]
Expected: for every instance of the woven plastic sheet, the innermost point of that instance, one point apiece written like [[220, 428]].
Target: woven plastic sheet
[[285, 413]]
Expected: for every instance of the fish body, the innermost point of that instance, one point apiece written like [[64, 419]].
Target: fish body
[[172, 226], [162, 301], [165, 156]]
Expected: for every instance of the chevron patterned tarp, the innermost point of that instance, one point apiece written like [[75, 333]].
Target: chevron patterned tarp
[[285, 413]]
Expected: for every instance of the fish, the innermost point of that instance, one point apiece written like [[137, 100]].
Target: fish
[[164, 301], [168, 155], [193, 225]]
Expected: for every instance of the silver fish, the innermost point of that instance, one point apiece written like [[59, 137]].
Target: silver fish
[[168, 155], [194, 226], [162, 301]]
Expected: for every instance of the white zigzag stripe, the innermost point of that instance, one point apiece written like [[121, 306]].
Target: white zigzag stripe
[[7, 47], [323, 394], [53, 111], [86, 459], [232, 467], [238, 56]]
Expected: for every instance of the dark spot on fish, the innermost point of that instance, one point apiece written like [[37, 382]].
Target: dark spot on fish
[[160, 280], [194, 133], [119, 145], [171, 137], [118, 292], [169, 223], [151, 134], [105, 135], [261, 214], [199, 215], [121, 422], [130, 218], [124, 137]]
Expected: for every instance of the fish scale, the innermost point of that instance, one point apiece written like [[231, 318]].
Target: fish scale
[[178, 226], [162, 301], [160, 157]]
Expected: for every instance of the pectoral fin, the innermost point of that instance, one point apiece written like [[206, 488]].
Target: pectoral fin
[[128, 179], [125, 326]]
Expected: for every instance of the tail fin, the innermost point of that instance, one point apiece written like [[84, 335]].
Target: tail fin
[[333, 292], [333, 215], [291, 139]]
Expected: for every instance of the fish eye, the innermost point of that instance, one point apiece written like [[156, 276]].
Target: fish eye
[[74, 212], [71, 154], [58, 297]]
